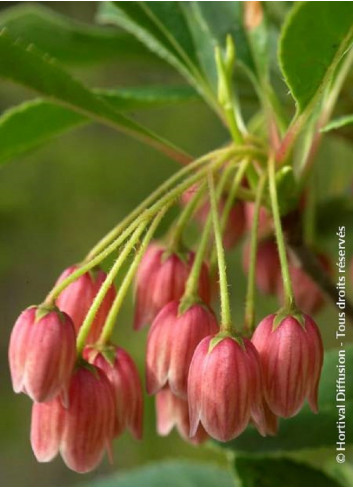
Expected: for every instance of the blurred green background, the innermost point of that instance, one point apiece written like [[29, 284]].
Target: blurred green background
[[56, 202]]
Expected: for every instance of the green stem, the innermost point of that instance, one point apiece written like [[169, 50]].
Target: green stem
[[169, 197], [287, 283], [185, 216], [191, 293], [124, 287], [88, 321], [57, 289], [243, 151], [226, 321], [250, 294]]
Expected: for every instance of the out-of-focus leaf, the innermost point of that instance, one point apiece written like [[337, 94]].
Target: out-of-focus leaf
[[160, 26], [313, 40], [306, 429], [28, 125], [67, 40], [37, 71], [169, 474], [279, 472], [346, 120]]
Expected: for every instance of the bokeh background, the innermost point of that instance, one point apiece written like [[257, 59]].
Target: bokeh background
[[56, 202]]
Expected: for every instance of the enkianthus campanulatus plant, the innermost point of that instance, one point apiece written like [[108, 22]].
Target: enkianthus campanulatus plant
[[211, 378]]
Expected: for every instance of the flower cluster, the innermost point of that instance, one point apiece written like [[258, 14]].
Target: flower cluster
[[80, 404], [209, 379], [214, 383]]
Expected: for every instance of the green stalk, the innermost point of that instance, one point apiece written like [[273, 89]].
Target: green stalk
[[191, 294], [250, 294], [287, 283], [229, 202], [151, 198], [226, 320], [124, 287], [88, 321]]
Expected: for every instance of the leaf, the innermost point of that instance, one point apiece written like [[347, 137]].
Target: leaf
[[159, 26], [28, 125], [169, 474], [305, 430], [67, 40], [313, 40], [29, 67], [279, 472], [338, 123]]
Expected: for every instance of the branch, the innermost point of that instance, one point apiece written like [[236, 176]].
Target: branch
[[310, 263]]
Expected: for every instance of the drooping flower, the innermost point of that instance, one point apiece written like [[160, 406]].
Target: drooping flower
[[160, 279], [171, 343], [291, 356], [172, 411], [81, 431], [42, 352], [77, 299], [121, 370], [221, 387]]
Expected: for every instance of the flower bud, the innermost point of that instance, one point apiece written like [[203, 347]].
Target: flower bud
[[235, 224], [171, 342], [77, 299], [160, 279], [220, 387], [42, 352], [120, 369], [172, 411], [291, 357], [82, 431], [268, 268], [308, 295]]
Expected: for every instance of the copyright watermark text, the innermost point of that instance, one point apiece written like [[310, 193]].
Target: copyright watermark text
[[340, 336]]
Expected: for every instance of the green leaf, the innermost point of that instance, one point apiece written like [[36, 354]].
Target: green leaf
[[28, 125], [306, 429], [168, 474], [346, 120], [160, 26], [314, 38], [67, 40], [29, 67], [279, 472]]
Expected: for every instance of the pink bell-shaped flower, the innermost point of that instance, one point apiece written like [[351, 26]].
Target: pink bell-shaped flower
[[221, 385], [42, 352], [160, 279], [173, 412], [84, 429], [77, 299], [291, 356], [120, 369], [171, 343]]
